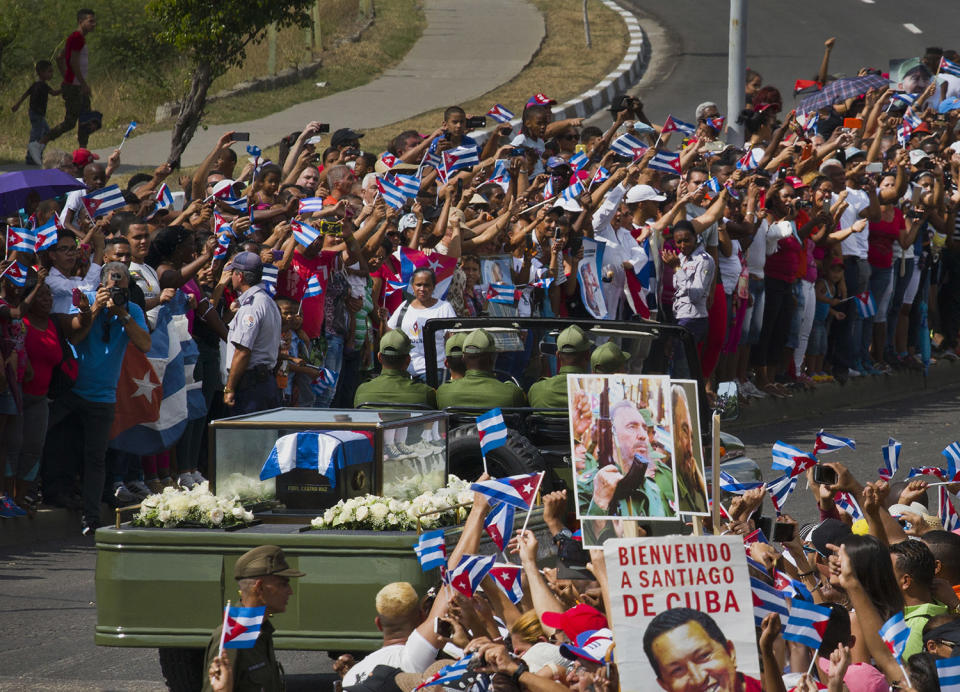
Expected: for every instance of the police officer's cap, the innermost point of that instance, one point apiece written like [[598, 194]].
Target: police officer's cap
[[454, 345], [245, 262], [479, 341], [573, 340], [608, 358], [395, 343], [264, 561]]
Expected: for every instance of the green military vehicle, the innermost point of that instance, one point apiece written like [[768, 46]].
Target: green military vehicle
[[164, 588]]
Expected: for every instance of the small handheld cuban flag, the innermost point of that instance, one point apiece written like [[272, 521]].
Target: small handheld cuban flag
[[548, 191], [16, 273], [808, 121], [908, 99], [756, 536], [806, 624], [103, 201], [20, 239], [456, 675], [912, 119], [431, 549], [518, 491], [47, 234], [460, 158], [846, 502], [314, 288], [502, 294], [223, 242], [927, 471], [500, 114], [268, 278], [409, 184], [674, 125], [793, 588], [579, 160], [751, 159], [507, 577], [492, 431], [255, 152], [666, 161], [469, 572], [946, 511], [501, 171], [948, 673], [952, 454], [780, 489], [787, 458], [735, 487], [866, 306], [767, 600], [391, 193], [129, 131], [713, 185], [601, 175], [948, 67], [826, 443], [626, 145], [891, 458], [717, 123], [309, 205], [303, 233], [571, 192], [164, 197], [895, 633], [241, 627], [499, 524]]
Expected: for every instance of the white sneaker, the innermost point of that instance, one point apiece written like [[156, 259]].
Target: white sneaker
[[185, 480], [854, 373], [35, 153]]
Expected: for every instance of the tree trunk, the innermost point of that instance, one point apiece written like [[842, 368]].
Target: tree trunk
[[586, 24], [191, 109]]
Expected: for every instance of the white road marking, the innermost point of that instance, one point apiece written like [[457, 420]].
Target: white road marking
[[912, 28], [868, 2]]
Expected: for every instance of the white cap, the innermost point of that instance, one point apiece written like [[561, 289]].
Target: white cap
[[643, 193], [829, 163], [917, 155], [915, 507], [407, 221], [568, 204]]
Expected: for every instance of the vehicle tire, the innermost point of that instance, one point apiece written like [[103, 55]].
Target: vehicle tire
[[517, 456], [182, 669]]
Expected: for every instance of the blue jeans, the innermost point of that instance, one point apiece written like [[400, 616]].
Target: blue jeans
[[333, 361], [753, 318], [856, 273], [38, 126], [879, 280]]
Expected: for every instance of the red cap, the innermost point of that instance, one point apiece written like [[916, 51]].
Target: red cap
[[578, 619], [81, 157], [795, 182]]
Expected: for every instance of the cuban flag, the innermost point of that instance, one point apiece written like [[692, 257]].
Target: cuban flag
[[755, 536], [927, 471], [912, 119], [948, 673], [579, 160], [241, 206], [674, 125], [268, 277], [220, 225], [492, 431], [946, 511], [501, 172], [895, 633], [548, 191], [502, 294], [601, 175], [866, 307], [314, 288], [806, 624], [164, 197], [787, 458], [948, 67], [792, 588], [323, 452], [500, 114], [223, 243], [241, 626], [431, 549], [103, 201], [908, 99], [324, 382], [507, 577], [454, 673], [846, 502], [571, 192], [891, 458], [20, 239], [17, 273], [310, 205], [952, 454], [130, 128], [808, 121], [724, 514], [626, 145], [469, 572], [767, 600], [499, 524], [303, 233], [518, 491], [541, 100], [47, 234], [826, 443], [717, 123], [666, 161], [545, 283], [713, 185], [392, 194], [408, 184], [732, 485], [460, 158], [443, 267], [751, 159], [731, 189], [780, 490]]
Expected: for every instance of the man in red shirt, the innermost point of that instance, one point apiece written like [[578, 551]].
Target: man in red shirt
[[76, 91]]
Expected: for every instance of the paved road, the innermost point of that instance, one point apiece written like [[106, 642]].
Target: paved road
[[784, 43], [924, 424]]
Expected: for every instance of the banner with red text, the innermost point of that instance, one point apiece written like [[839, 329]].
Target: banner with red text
[[682, 613]]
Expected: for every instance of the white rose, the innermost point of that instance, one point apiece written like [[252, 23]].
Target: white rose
[[248, 516], [164, 516], [362, 513], [216, 516], [328, 516], [317, 522], [237, 512], [379, 511]]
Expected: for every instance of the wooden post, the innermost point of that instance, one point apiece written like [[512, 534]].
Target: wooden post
[[272, 49], [317, 29], [586, 24], [715, 481]]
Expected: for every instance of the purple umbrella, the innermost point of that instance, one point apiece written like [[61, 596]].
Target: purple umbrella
[[46, 183], [841, 90]]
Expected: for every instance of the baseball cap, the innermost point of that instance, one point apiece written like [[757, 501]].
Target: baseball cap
[[81, 157], [245, 262], [917, 155], [795, 182], [570, 205], [557, 162], [264, 561], [852, 152], [830, 163], [479, 341], [344, 134], [573, 340], [828, 531], [580, 618], [395, 343], [608, 358], [407, 221], [454, 345], [643, 193]]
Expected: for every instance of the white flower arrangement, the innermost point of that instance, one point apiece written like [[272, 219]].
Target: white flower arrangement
[[176, 507], [376, 513]]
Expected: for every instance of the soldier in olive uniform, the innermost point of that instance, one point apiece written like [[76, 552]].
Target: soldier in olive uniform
[[453, 350], [573, 354], [608, 359], [263, 577], [394, 385], [479, 387]]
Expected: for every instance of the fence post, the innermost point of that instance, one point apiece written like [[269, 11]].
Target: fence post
[[272, 49]]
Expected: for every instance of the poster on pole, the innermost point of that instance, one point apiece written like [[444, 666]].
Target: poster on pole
[[621, 431], [589, 272], [682, 604], [687, 452]]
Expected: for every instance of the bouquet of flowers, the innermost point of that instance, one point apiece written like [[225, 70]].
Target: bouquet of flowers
[[373, 512], [177, 507]]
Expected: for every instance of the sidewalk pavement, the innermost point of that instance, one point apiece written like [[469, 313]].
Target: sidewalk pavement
[[467, 49]]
